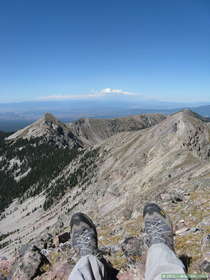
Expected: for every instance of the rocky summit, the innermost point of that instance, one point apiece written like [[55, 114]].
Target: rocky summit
[[107, 169], [48, 129]]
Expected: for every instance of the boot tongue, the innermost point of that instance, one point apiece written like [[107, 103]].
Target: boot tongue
[[85, 241]]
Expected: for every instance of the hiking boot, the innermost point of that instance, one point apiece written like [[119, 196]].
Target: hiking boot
[[157, 226], [83, 235]]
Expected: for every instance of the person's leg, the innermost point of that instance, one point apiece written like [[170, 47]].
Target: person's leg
[[85, 242], [161, 258], [88, 268]]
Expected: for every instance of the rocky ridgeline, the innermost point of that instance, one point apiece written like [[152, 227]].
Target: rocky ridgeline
[[167, 163], [94, 131]]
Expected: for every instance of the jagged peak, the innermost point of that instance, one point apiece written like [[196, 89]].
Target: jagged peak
[[186, 112], [49, 117], [47, 125]]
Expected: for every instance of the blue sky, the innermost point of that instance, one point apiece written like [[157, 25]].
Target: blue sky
[[156, 48]]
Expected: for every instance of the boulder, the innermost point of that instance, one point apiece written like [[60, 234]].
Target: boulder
[[205, 250], [181, 227], [133, 247], [29, 263]]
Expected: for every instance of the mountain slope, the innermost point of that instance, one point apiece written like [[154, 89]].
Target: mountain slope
[[168, 163], [93, 131], [32, 157]]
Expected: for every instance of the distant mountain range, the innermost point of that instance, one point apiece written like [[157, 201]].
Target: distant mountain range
[[14, 116]]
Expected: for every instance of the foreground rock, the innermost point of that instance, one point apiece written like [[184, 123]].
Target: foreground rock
[[205, 249]]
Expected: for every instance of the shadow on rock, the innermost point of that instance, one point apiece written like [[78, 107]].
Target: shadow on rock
[[186, 261]]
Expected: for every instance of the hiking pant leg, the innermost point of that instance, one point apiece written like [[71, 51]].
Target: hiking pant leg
[[88, 268], [162, 260]]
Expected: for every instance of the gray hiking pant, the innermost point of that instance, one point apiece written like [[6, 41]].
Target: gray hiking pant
[[160, 260], [88, 268]]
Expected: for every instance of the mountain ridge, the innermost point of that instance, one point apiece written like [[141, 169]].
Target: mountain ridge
[[168, 163], [93, 131], [89, 131], [10, 121]]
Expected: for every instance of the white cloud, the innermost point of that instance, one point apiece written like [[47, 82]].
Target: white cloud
[[109, 91], [96, 94]]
